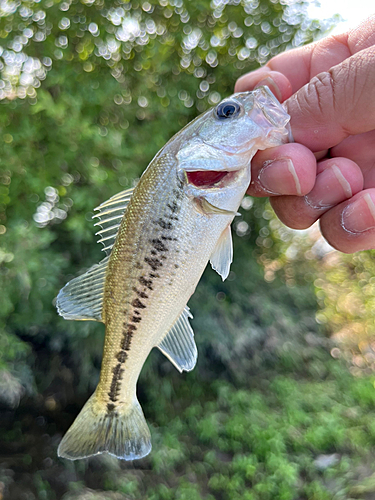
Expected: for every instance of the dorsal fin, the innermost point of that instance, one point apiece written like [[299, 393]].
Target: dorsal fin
[[110, 216], [82, 297], [178, 344]]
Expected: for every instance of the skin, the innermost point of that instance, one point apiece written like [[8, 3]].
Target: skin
[[328, 174]]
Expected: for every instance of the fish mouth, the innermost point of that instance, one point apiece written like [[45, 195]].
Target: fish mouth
[[209, 178]]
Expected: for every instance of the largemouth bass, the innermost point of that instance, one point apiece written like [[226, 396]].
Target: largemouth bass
[[158, 239]]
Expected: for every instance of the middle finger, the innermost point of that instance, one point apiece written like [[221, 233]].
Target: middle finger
[[338, 180]]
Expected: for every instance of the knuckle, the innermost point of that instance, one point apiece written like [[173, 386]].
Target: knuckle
[[320, 93]]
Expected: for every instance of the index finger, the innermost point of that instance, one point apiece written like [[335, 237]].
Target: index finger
[[301, 64]]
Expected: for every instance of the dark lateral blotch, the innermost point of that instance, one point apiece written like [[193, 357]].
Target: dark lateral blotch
[[164, 224], [117, 371], [138, 304], [121, 356], [173, 206], [153, 262], [159, 245], [154, 275], [125, 342], [147, 283], [177, 192], [141, 294]]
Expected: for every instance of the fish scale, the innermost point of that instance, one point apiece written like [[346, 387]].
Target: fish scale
[[158, 239]]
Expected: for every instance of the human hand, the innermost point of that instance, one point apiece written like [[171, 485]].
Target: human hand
[[329, 91]]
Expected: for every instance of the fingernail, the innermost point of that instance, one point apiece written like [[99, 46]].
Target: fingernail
[[359, 216], [271, 85], [330, 188], [279, 177]]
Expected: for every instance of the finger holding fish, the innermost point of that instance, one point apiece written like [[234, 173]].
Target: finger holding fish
[[327, 87], [289, 169], [302, 196], [350, 226]]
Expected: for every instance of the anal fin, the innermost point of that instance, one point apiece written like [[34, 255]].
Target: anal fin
[[178, 345]]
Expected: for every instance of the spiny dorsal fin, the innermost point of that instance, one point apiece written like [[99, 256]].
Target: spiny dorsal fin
[[222, 256], [82, 298], [110, 215], [178, 345]]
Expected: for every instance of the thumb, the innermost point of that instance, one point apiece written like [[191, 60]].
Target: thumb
[[336, 103]]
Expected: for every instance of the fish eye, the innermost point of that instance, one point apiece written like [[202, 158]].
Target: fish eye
[[227, 109]]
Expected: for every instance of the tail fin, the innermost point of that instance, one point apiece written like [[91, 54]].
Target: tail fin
[[122, 432]]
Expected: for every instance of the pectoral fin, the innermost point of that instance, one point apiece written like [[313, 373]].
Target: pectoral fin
[[222, 256], [178, 344], [206, 208]]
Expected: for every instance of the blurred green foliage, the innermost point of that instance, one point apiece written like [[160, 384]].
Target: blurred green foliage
[[90, 90]]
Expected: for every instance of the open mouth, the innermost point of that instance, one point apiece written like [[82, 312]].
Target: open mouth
[[204, 178]]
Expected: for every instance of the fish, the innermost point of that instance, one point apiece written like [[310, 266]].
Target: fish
[[158, 238]]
